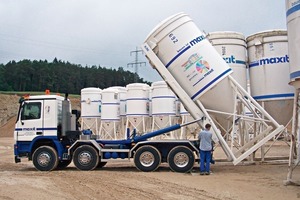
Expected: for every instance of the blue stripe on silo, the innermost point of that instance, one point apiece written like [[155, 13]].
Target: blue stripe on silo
[[273, 96], [137, 99], [173, 59], [292, 10], [240, 62], [254, 64], [210, 83], [163, 97], [295, 75]]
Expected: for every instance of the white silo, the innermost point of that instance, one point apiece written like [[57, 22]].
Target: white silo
[[164, 108], [233, 49], [137, 108], [269, 73], [122, 94], [91, 109], [150, 103], [190, 131], [110, 115], [293, 27]]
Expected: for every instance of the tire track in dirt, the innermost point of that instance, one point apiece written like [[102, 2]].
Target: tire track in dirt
[[173, 190], [129, 185], [97, 184]]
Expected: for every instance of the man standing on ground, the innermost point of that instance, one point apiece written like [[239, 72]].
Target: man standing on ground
[[205, 138]]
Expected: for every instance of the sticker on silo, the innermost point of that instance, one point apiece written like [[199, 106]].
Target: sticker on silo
[[201, 70]]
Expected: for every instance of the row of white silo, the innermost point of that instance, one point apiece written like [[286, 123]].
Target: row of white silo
[[118, 112], [267, 56]]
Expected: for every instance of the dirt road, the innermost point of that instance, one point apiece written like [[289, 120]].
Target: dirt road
[[121, 180]]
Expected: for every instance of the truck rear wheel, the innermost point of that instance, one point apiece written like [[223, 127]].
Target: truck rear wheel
[[63, 164], [147, 158], [181, 159], [45, 158], [85, 157]]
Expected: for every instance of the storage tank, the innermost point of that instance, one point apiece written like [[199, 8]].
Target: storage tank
[[190, 131], [269, 73], [293, 26], [137, 107], [193, 62], [91, 109], [233, 49], [163, 108], [110, 115], [122, 94]]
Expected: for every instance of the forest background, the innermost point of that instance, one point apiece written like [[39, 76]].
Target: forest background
[[61, 76]]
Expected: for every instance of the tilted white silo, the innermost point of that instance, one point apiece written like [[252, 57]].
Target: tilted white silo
[[91, 109]]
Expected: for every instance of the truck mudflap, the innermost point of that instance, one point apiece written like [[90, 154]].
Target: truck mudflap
[[17, 159]]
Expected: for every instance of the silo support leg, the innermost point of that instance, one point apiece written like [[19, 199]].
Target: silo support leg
[[294, 138]]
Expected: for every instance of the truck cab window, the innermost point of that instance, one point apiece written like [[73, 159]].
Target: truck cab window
[[31, 111]]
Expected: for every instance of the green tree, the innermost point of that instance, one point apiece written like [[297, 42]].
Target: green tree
[[60, 76]]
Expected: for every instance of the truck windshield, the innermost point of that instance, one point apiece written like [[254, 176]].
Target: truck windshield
[[31, 110]]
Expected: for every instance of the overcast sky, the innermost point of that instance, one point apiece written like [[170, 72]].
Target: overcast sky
[[104, 32]]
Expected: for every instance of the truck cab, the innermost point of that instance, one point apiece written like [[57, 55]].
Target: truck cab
[[40, 131], [39, 116]]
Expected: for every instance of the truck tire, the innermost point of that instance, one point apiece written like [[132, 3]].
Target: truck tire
[[181, 159], [101, 164], [85, 157], [147, 158], [45, 158], [63, 164]]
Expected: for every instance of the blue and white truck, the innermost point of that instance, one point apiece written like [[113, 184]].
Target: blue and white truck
[[46, 132]]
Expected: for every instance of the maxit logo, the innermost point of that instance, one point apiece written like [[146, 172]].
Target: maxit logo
[[197, 40], [232, 60], [267, 61]]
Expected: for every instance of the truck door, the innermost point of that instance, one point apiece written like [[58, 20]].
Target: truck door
[[30, 121]]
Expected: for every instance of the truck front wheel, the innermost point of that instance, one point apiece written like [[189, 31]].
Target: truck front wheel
[[147, 158], [45, 158], [86, 157], [101, 164], [181, 159]]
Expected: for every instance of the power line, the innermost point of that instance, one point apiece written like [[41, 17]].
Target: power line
[[136, 63]]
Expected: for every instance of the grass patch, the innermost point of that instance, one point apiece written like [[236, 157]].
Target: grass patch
[[22, 93]]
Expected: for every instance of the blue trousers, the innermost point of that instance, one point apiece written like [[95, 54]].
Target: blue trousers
[[205, 157]]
